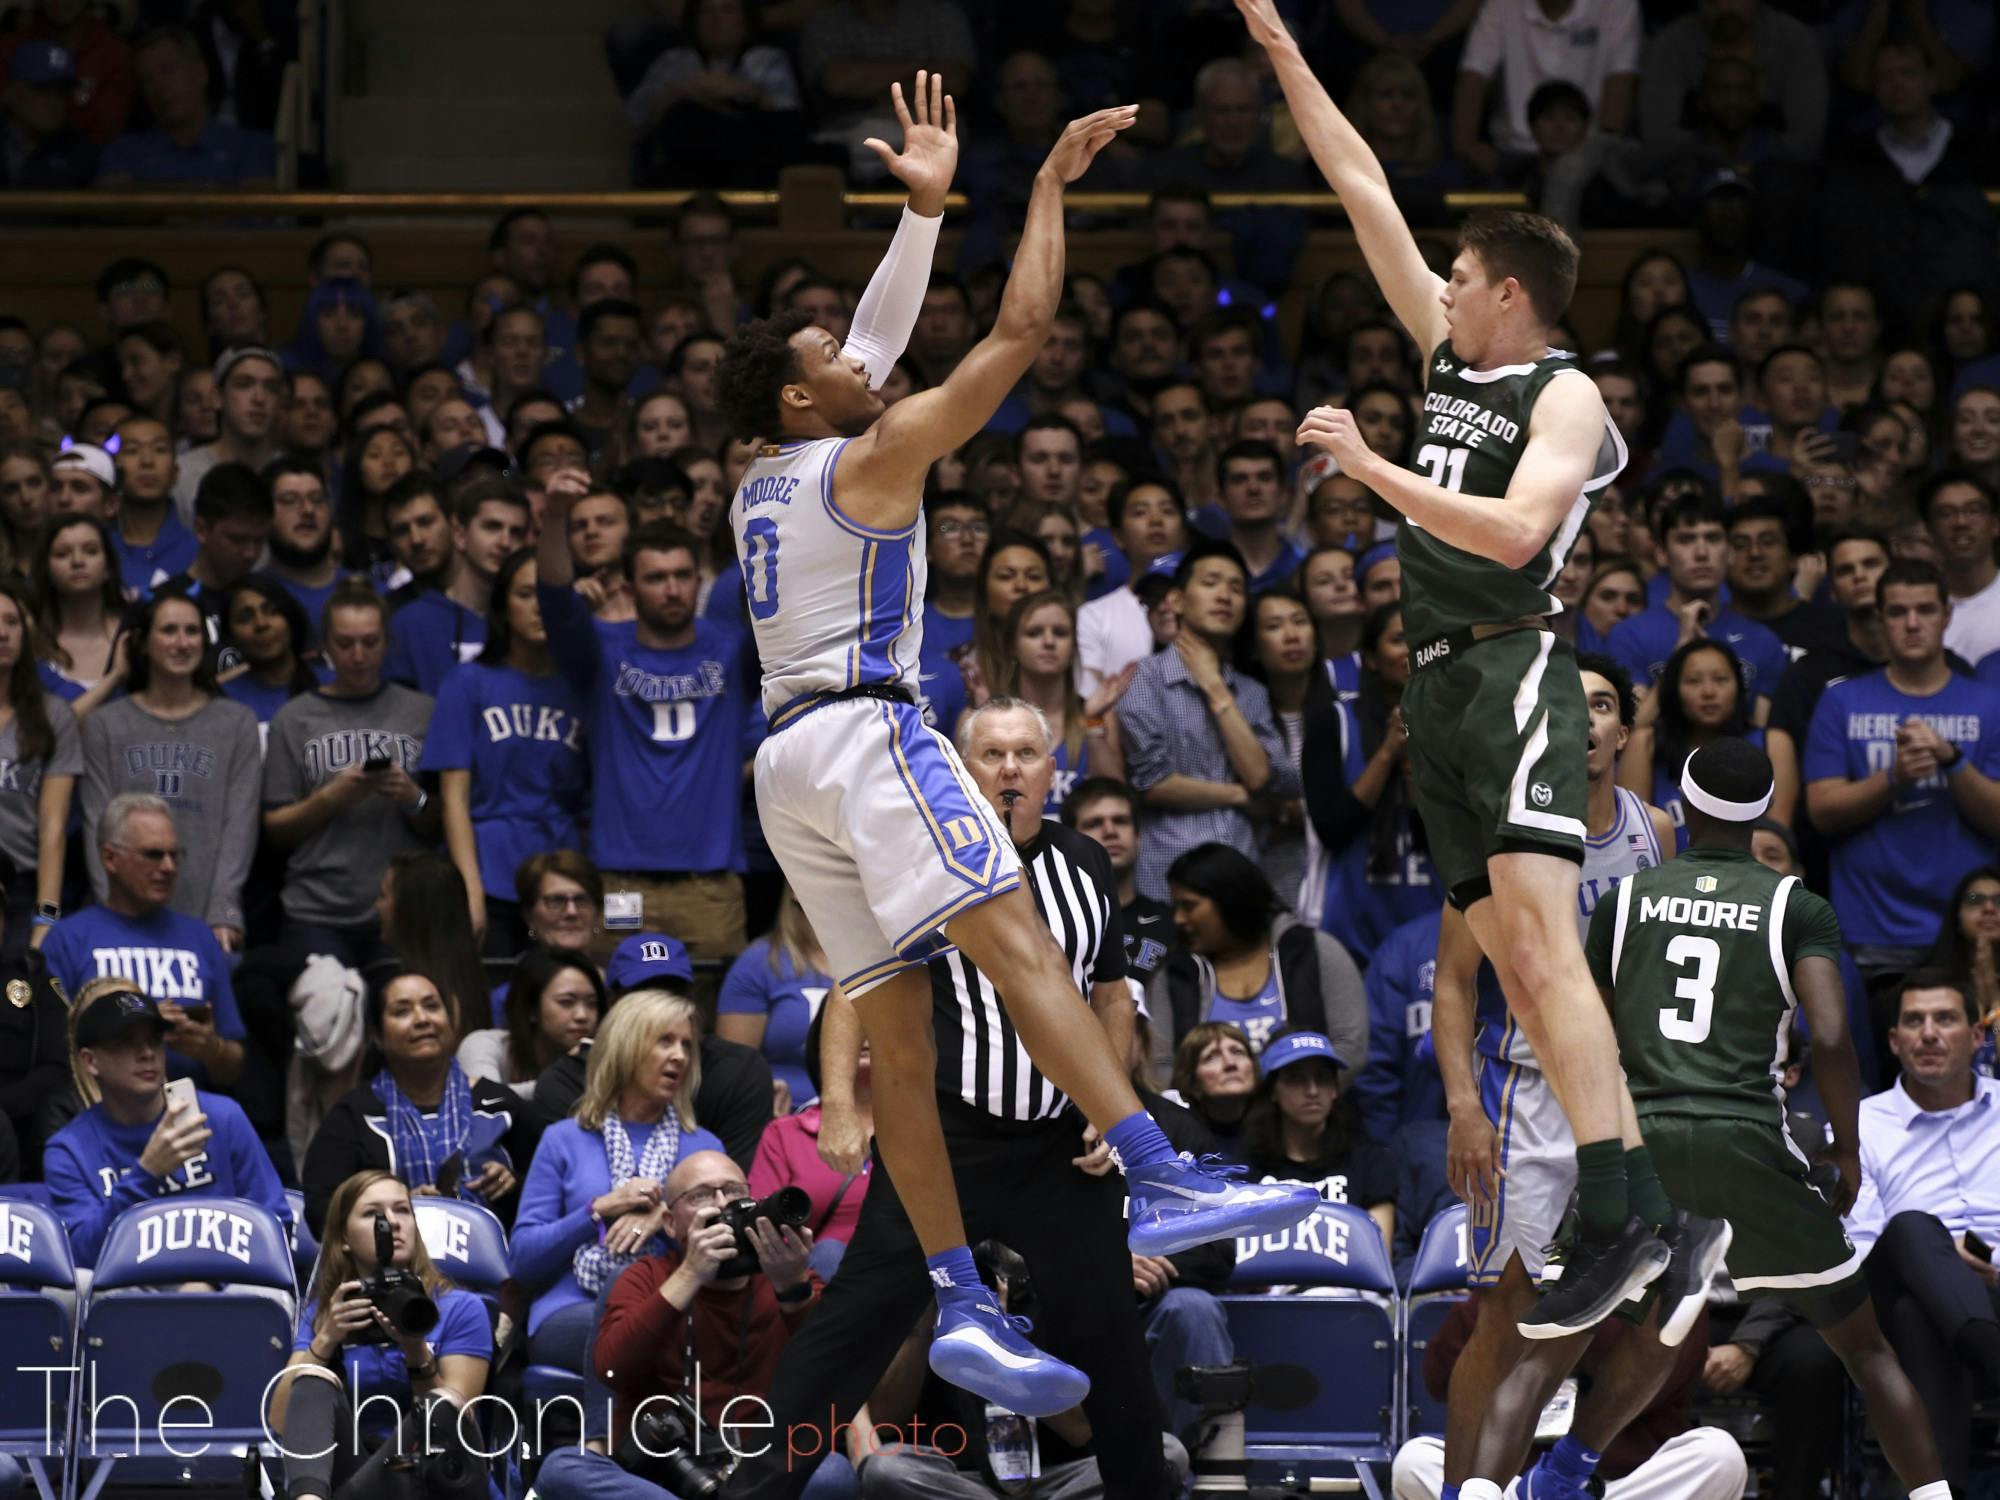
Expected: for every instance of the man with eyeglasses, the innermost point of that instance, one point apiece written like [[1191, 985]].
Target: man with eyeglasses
[[957, 530], [1959, 510], [136, 935], [738, 1322]]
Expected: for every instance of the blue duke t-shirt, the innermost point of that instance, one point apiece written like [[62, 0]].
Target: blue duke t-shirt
[[668, 732], [428, 637], [521, 737], [1893, 876], [169, 956], [380, 1369], [939, 681], [1258, 1016], [1642, 644], [763, 982]]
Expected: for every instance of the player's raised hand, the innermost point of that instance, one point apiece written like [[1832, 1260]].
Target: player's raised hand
[[1261, 17], [1082, 139], [930, 143], [1334, 429]]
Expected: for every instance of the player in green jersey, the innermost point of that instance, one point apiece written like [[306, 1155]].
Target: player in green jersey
[[1702, 962], [1515, 444]]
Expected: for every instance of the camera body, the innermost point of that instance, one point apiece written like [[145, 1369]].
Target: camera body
[[669, 1445], [789, 1207], [397, 1294]]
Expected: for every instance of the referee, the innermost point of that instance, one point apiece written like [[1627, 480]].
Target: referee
[[1013, 1140]]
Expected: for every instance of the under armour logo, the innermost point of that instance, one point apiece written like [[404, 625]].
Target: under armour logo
[[1542, 793], [1444, 367]]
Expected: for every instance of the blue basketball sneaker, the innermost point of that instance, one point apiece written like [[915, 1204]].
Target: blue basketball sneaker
[[1179, 1204], [980, 1349]]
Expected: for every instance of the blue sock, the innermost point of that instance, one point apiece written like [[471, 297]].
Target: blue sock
[[954, 1274], [1138, 1142], [1449, 1492], [1572, 1460]]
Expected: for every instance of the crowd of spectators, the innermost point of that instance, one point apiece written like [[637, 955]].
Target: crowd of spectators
[[379, 692]]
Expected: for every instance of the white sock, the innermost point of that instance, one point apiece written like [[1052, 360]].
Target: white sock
[[1486, 1489], [1937, 1489]]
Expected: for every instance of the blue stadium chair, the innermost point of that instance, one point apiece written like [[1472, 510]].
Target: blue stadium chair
[[28, 1192], [37, 1327], [466, 1244], [178, 1356], [1437, 1284], [305, 1240], [1333, 1320]]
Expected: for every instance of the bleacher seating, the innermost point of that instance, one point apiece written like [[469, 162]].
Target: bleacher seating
[[1334, 1315], [1437, 1284], [150, 1342], [37, 1327]]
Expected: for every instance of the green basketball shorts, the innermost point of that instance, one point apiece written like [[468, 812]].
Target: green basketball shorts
[[1499, 735], [1788, 1241]]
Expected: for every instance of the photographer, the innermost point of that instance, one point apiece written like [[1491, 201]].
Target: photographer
[[738, 1322], [399, 1331]]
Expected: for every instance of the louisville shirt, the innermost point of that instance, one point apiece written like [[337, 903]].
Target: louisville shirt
[[668, 732], [521, 738], [980, 1056], [1894, 874]]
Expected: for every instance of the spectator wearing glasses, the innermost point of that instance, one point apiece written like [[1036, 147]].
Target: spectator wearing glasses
[[958, 529], [1959, 511], [136, 936]]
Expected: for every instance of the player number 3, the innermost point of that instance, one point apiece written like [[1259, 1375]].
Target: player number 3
[[1699, 987], [760, 543]]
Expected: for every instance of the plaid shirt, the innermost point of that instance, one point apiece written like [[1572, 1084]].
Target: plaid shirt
[[1167, 730]]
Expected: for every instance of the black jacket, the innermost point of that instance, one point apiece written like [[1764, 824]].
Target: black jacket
[[354, 1137]]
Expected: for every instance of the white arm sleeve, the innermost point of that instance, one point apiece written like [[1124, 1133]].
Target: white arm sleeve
[[888, 309]]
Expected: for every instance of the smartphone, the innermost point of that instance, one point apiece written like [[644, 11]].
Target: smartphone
[[375, 763], [180, 1095], [1845, 446], [199, 1013], [1977, 1248], [446, 1181]]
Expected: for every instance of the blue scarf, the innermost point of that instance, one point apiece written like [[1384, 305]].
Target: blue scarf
[[422, 1147]]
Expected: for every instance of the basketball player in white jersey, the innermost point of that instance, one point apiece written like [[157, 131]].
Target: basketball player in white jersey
[[1512, 1157], [886, 841]]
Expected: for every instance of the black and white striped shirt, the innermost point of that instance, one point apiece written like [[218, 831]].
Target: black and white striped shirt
[[980, 1057]]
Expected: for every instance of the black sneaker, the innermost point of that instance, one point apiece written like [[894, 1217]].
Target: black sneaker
[[1698, 1246], [1585, 1280]]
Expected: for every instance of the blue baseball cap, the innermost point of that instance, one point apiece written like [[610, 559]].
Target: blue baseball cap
[[42, 64], [648, 958], [1298, 1046]]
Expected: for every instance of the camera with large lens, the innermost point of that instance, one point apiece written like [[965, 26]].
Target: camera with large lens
[[789, 1207], [669, 1445], [397, 1294]]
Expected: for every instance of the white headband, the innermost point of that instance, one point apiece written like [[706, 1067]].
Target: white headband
[[1714, 806]]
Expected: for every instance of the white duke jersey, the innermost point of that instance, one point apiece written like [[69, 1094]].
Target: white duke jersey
[[834, 604], [1630, 845]]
